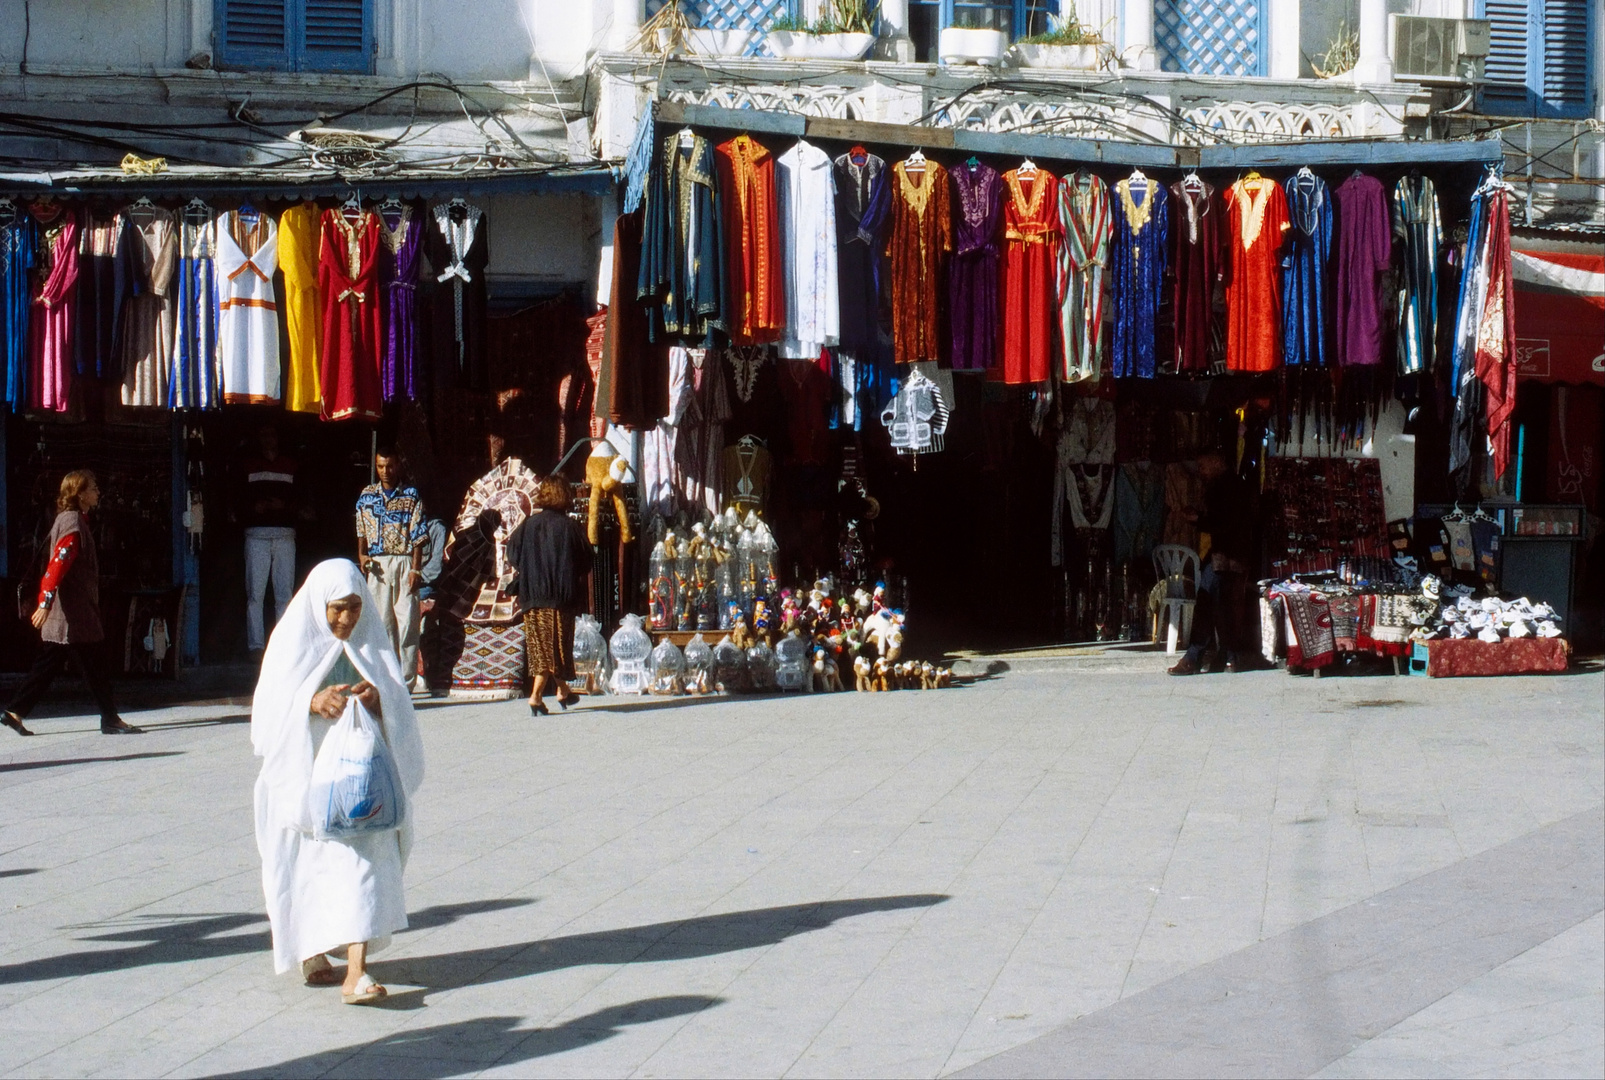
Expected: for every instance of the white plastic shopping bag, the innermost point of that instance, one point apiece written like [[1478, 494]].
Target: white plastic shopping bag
[[355, 786]]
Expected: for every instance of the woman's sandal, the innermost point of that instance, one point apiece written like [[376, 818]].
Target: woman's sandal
[[367, 992], [319, 972]]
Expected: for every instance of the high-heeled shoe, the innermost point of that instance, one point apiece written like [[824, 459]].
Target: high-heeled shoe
[[538, 708], [563, 703]]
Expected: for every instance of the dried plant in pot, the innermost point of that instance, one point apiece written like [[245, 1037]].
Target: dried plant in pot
[[844, 31]]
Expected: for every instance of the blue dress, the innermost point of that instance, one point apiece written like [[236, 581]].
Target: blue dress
[[1137, 255], [17, 242], [196, 379], [1304, 270]]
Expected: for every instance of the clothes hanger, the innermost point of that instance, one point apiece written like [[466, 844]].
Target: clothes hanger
[[858, 155], [1192, 184], [1027, 168], [196, 212], [142, 208], [351, 209], [457, 206], [248, 213], [1138, 178], [685, 138], [915, 162], [8, 211], [1305, 172]]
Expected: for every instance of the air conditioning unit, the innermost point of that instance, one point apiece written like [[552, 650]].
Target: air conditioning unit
[[1431, 50]]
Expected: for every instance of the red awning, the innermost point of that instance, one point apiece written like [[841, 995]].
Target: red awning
[[1560, 316]]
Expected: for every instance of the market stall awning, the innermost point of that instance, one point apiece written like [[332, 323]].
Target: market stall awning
[[1560, 315]]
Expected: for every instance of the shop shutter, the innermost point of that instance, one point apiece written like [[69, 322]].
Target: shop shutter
[[253, 34], [1565, 89], [1538, 57], [336, 35]]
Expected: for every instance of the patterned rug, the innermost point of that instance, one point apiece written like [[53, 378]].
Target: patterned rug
[[491, 667]]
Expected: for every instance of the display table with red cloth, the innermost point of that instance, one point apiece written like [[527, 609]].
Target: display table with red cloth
[[1447, 657]]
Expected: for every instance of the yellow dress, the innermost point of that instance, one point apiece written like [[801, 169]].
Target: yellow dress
[[298, 258]]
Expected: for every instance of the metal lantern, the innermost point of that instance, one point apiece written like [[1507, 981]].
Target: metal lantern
[[630, 645], [590, 655]]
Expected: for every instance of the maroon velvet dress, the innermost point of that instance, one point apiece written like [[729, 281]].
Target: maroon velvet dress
[[973, 270]]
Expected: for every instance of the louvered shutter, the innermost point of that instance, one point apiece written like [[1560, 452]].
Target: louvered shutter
[[253, 34], [335, 35], [1564, 89], [1506, 66], [1538, 57]]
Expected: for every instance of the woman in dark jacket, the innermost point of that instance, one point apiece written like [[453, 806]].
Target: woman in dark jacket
[[551, 555], [68, 615]]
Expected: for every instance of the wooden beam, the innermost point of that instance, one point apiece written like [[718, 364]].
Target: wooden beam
[[1351, 152]]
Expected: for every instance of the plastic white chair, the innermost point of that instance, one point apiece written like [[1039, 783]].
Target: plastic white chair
[[1177, 566]]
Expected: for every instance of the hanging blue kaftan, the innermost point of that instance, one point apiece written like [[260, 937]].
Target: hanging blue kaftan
[[1305, 282], [1137, 255], [17, 242], [196, 379]]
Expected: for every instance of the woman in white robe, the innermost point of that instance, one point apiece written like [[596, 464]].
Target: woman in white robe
[[328, 896]]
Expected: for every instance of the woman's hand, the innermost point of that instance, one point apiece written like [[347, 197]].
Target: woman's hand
[[39, 616], [330, 702], [368, 695]]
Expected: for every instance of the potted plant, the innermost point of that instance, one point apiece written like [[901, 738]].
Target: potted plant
[[844, 31], [670, 33], [1067, 46], [971, 45]]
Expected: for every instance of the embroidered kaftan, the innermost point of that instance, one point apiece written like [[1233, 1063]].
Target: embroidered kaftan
[[17, 242], [300, 233], [248, 315], [103, 286], [195, 382], [1030, 261], [399, 251], [681, 277], [1418, 228], [50, 317], [147, 332], [1085, 218], [806, 192], [458, 246], [1198, 266], [918, 239], [348, 281], [1137, 262], [1364, 252], [755, 288], [1256, 218], [1305, 293], [863, 362], [973, 271]]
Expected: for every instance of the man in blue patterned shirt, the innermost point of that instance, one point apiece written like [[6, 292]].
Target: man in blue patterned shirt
[[391, 531]]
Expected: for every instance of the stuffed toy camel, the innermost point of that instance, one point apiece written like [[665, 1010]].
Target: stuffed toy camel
[[604, 471]]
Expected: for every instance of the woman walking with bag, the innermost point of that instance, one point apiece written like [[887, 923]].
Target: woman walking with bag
[[68, 612], [551, 555], [327, 654]]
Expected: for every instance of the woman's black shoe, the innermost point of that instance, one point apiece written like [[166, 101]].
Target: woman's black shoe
[[121, 728], [538, 708]]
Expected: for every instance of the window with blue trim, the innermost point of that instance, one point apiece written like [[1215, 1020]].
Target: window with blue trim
[[1016, 18], [295, 35], [1539, 60]]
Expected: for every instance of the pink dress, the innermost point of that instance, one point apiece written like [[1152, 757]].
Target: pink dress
[[50, 321]]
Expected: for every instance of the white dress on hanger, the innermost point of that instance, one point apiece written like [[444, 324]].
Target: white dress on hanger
[[805, 193], [248, 314]]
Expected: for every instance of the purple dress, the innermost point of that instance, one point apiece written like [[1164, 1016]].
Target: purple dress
[[973, 270], [1364, 251], [398, 283]]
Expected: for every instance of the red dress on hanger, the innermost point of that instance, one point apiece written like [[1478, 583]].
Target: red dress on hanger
[[1029, 294], [348, 285], [1256, 218]]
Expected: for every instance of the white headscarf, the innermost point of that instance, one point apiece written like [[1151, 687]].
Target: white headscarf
[[298, 657]]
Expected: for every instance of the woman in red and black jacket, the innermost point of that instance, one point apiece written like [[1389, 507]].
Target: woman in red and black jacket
[[68, 615]]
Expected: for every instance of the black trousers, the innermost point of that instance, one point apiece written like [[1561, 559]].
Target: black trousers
[[1224, 612], [91, 661]]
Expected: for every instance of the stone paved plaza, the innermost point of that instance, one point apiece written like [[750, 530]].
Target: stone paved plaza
[[1067, 868]]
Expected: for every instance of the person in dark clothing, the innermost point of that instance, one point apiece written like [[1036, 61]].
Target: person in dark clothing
[[68, 614], [269, 506], [551, 555], [1224, 611]]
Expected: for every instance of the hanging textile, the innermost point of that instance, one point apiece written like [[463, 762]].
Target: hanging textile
[[103, 285], [699, 441], [682, 273], [756, 287], [919, 236], [1083, 477], [863, 362], [1256, 218], [1495, 364], [17, 241], [248, 310], [1304, 270], [1364, 253], [300, 231], [916, 419], [1418, 228], [1139, 510], [1463, 381], [973, 272], [401, 236], [805, 188], [195, 382], [632, 383], [1137, 265], [1030, 263], [147, 331], [459, 250], [1198, 268], [1086, 223], [348, 280], [52, 309]]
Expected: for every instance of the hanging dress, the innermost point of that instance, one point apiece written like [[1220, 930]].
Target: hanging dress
[[806, 193], [1198, 258], [103, 286], [398, 278], [1028, 295], [1085, 218], [863, 363], [17, 240], [1137, 265], [973, 272], [248, 308], [1305, 299], [459, 249], [147, 332], [756, 288], [1418, 228], [1256, 218], [194, 382], [348, 279], [1364, 253], [50, 316], [681, 276], [300, 230], [919, 236]]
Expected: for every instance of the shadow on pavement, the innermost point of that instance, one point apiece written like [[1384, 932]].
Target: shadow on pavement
[[23, 766], [471, 1045], [197, 938], [19, 873]]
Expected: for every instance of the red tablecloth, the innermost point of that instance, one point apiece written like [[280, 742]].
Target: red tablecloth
[[1512, 656]]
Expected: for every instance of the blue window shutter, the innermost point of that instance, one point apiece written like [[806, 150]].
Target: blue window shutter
[[1538, 57], [253, 34], [1563, 83], [1506, 66], [335, 35]]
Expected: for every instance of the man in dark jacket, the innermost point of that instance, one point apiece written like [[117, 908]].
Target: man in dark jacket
[[1224, 610]]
